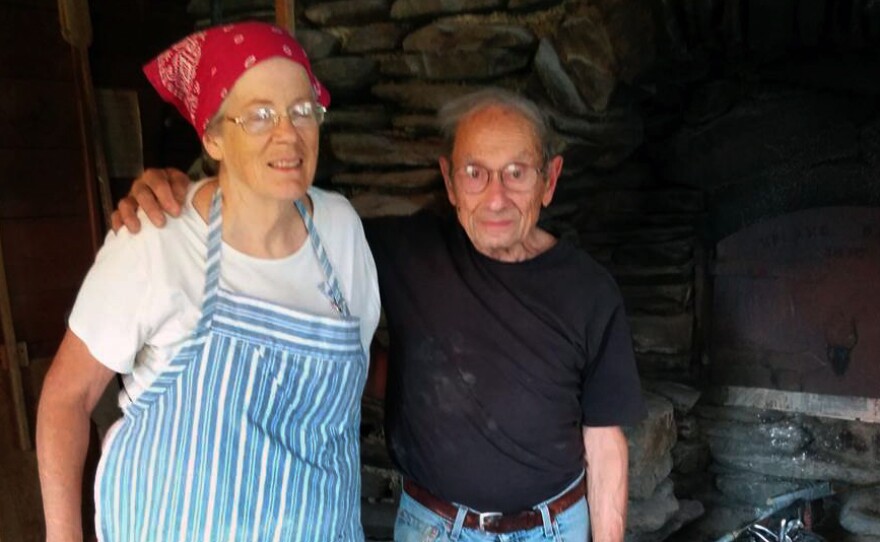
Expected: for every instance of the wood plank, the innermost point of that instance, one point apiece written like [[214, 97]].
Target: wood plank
[[43, 183], [46, 260], [38, 115], [31, 46]]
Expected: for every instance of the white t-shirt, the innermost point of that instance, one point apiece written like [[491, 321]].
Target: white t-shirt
[[141, 300]]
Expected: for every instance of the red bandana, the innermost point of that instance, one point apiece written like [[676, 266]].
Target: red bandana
[[196, 73]]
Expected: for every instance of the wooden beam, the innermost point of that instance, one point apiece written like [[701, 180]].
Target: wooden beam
[[76, 29], [285, 15], [861, 409]]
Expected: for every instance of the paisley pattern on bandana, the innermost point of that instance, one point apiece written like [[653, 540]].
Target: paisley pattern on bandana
[[196, 73], [178, 70]]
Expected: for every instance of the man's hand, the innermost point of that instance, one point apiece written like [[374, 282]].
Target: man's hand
[[157, 191]]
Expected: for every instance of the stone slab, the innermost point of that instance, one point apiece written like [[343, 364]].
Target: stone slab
[[412, 179], [369, 204], [455, 65], [381, 150], [346, 75], [557, 83], [382, 36], [409, 9], [419, 95], [863, 409], [650, 443], [662, 334], [453, 36], [347, 12], [317, 44]]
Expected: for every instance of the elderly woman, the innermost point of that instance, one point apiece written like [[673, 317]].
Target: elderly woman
[[243, 348]]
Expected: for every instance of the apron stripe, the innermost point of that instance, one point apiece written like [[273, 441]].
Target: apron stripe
[[252, 431]]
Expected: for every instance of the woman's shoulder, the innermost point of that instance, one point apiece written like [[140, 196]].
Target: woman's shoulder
[[188, 226], [333, 211], [332, 202]]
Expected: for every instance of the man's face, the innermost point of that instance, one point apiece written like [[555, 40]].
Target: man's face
[[500, 222]]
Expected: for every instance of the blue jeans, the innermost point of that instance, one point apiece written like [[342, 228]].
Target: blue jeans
[[415, 523]]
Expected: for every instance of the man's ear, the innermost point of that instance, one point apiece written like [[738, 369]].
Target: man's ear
[[551, 173], [213, 146], [446, 170]]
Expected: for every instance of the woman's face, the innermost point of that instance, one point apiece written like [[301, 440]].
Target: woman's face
[[280, 163]]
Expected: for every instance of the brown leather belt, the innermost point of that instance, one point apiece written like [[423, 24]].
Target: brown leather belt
[[493, 522]]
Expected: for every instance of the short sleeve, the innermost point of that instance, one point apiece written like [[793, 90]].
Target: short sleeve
[[109, 309], [611, 392]]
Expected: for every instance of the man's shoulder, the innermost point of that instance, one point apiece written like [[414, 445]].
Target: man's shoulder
[[571, 254], [580, 262]]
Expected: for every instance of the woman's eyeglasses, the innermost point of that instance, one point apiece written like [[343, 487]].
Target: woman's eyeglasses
[[264, 119]]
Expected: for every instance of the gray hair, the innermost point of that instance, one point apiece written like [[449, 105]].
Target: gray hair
[[450, 115], [207, 164]]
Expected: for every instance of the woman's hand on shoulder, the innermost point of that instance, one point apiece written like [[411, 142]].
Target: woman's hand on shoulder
[[157, 191]]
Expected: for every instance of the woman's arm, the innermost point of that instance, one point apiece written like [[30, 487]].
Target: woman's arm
[[72, 387]]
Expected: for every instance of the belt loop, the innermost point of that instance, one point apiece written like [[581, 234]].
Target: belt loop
[[546, 519], [458, 524]]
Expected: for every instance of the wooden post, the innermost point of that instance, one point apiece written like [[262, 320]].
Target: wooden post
[[76, 29], [285, 16], [11, 346]]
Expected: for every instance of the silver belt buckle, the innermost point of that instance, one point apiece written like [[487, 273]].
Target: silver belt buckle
[[486, 518]]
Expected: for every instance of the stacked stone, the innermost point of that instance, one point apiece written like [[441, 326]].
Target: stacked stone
[[759, 454], [390, 68], [654, 511]]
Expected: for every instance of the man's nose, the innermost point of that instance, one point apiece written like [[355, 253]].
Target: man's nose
[[495, 191]]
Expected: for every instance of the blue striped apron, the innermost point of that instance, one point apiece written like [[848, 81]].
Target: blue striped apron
[[251, 433]]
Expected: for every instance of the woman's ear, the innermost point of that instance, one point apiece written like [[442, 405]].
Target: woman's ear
[[213, 145]]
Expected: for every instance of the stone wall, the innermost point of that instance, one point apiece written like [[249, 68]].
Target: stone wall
[[680, 121]]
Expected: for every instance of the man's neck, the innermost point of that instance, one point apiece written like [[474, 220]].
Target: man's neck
[[536, 243]]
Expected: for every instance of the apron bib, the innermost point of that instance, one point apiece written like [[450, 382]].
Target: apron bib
[[251, 432]]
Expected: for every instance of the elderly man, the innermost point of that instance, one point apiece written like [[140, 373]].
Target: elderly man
[[510, 368]]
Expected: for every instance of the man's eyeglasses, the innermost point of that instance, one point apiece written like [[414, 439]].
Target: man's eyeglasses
[[516, 177], [264, 119]]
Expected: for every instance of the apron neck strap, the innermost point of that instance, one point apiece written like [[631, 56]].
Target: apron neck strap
[[212, 276], [330, 286]]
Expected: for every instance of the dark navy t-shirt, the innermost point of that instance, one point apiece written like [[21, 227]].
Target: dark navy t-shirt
[[495, 367]]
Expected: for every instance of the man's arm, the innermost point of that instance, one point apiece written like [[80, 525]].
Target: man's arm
[[73, 385], [606, 456], [157, 191]]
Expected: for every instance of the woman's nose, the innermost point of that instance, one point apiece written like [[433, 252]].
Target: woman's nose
[[285, 128]]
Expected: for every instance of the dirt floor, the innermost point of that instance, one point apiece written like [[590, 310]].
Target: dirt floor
[[21, 511]]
